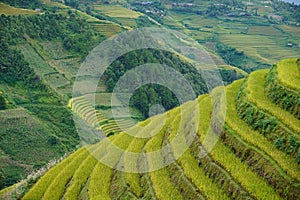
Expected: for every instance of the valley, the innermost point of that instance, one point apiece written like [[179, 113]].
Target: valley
[[254, 45]]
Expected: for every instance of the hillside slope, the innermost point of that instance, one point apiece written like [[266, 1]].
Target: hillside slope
[[40, 53], [257, 155]]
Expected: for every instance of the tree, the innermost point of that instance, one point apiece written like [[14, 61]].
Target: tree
[[88, 10], [3, 105], [2, 180], [298, 63], [152, 95], [110, 84]]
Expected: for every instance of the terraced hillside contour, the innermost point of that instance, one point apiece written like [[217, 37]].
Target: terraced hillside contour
[[256, 157], [95, 119]]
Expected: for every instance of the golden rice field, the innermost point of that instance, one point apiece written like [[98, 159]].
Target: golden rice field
[[117, 11], [243, 163]]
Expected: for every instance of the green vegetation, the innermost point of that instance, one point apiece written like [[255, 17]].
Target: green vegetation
[[137, 146], [56, 188], [232, 164], [83, 108], [279, 94], [107, 28], [3, 102], [193, 170], [258, 153], [276, 124], [96, 192], [152, 94], [24, 3], [38, 190], [160, 178], [73, 31], [255, 87], [197, 176], [106, 172], [254, 29], [243, 163], [289, 78], [37, 149], [28, 80], [117, 11], [8, 10], [253, 137], [133, 179]]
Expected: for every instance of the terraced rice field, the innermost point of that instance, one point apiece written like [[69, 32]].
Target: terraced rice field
[[117, 11], [56, 80], [244, 163], [263, 48], [9, 10], [103, 99], [282, 86], [36, 61], [107, 29], [289, 78], [83, 108], [295, 31], [124, 16], [127, 21], [262, 43], [263, 30]]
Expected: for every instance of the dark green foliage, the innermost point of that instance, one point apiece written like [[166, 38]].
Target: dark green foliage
[[27, 142], [2, 180], [232, 56], [35, 146], [282, 96], [149, 95], [249, 115], [216, 10], [143, 21], [293, 143], [229, 75], [14, 68], [51, 132], [15, 72], [238, 8], [153, 94], [52, 140], [72, 3], [105, 17], [11, 174], [3, 105], [24, 3], [60, 119], [76, 34], [267, 125], [280, 142], [259, 164]]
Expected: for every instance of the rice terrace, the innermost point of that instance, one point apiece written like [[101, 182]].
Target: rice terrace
[[134, 99]]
